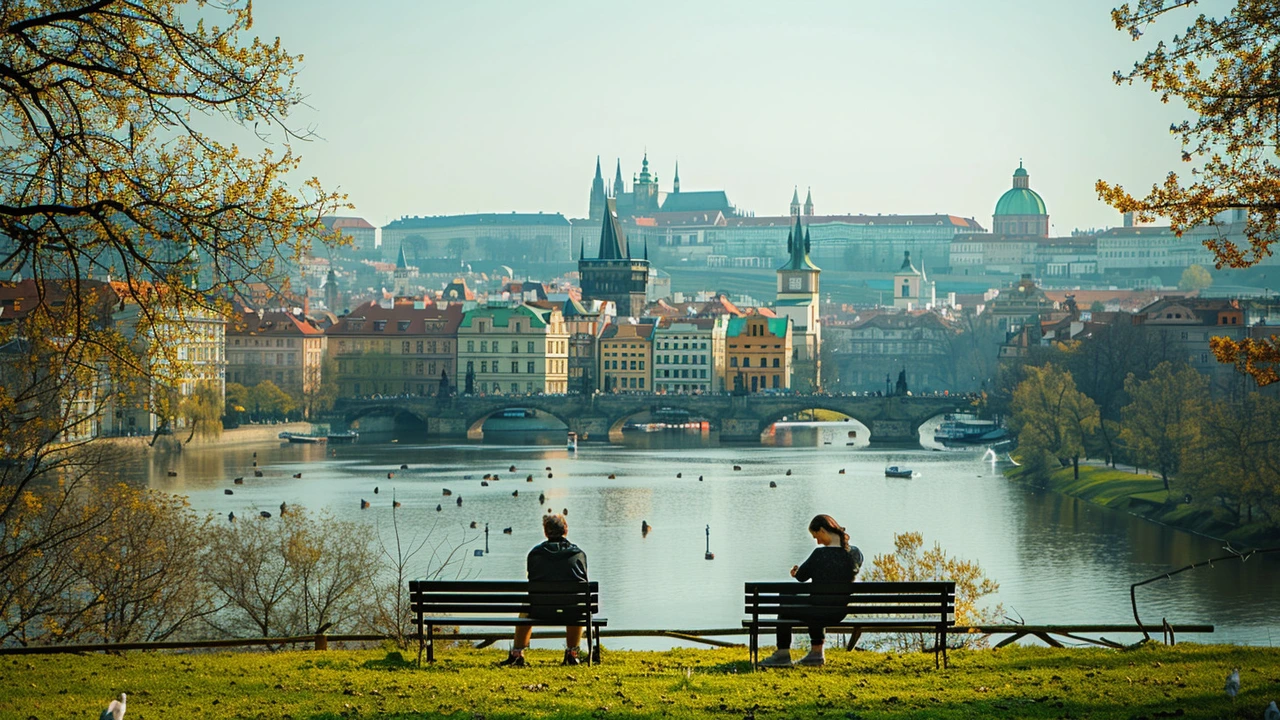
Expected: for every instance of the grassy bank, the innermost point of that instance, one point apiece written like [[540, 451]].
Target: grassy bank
[[1143, 494], [1024, 682]]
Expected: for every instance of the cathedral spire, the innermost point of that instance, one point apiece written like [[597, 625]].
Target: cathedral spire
[[598, 176], [795, 205], [808, 203], [617, 181], [675, 188]]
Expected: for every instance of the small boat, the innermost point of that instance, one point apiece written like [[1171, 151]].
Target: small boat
[[295, 438], [348, 436], [894, 471], [572, 443]]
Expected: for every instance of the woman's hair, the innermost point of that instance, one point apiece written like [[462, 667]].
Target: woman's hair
[[828, 523]]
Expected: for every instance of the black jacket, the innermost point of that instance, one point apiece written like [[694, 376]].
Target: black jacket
[[557, 561], [831, 564]]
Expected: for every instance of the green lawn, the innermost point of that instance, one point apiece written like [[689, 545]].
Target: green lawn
[[1023, 682]]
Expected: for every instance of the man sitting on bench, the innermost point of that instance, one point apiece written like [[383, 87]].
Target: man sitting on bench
[[556, 560]]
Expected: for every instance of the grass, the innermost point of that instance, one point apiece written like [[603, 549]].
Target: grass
[[1025, 682], [1144, 494]]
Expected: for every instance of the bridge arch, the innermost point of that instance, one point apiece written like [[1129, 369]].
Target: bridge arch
[[398, 414], [658, 410], [475, 423], [790, 413]]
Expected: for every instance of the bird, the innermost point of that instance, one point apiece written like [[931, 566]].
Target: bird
[[255, 463], [841, 471], [284, 508], [375, 489], [172, 474], [565, 512], [255, 454], [257, 473], [404, 467], [238, 481], [265, 515], [115, 711], [679, 475], [496, 478], [550, 475], [487, 476], [788, 472], [228, 491], [511, 469], [612, 476], [515, 494], [364, 504], [542, 499], [439, 508], [484, 483], [395, 503], [473, 522], [548, 468], [644, 527], [231, 516], [699, 478], [529, 479], [737, 467], [447, 492], [459, 501], [506, 531], [1233, 683], [773, 484], [1272, 712], [390, 475], [297, 476]]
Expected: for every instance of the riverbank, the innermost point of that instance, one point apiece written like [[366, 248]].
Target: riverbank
[[1025, 682], [243, 435], [1143, 494]]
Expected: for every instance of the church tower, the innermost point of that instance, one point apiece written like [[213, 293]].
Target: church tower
[[400, 275], [795, 202], [798, 299], [613, 275], [332, 295], [675, 185], [597, 206], [645, 190], [808, 204], [618, 189]]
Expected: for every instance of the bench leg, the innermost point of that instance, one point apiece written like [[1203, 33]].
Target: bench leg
[[753, 647], [420, 640], [854, 636], [431, 643], [591, 630]]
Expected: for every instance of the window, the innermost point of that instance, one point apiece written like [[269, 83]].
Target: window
[[484, 366], [793, 282], [515, 347], [484, 346], [494, 349], [733, 362], [775, 362], [529, 367], [420, 347], [404, 348], [402, 326], [419, 368], [746, 362], [515, 388], [471, 346], [515, 368], [529, 347]]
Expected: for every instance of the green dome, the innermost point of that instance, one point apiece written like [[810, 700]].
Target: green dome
[[1020, 201]]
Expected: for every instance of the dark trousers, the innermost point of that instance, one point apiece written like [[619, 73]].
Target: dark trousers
[[817, 624]]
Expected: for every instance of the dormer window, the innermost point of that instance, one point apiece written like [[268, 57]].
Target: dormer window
[[379, 325], [402, 326]]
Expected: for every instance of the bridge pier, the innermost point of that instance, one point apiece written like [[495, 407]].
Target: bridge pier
[[447, 427]]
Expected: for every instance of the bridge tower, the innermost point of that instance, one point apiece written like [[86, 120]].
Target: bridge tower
[[798, 300], [614, 275]]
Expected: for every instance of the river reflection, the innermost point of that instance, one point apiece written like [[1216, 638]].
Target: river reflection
[[1058, 560]]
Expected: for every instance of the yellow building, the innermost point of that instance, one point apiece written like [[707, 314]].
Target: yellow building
[[758, 349], [521, 350], [626, 357], [404, 347]]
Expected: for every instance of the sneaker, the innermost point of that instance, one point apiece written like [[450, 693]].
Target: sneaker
[[513, 660], [571, 657], [813, 659], [780, 658]]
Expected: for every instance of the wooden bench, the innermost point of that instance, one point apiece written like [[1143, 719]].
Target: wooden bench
[[927, 607], [504, 603]]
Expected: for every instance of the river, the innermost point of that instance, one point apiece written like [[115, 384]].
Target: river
[[1057, 559]]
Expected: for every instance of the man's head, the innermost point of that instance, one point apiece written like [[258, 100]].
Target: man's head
[[554, 526]]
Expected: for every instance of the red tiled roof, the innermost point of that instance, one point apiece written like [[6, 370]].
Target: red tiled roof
[[272, 322], [338, 222], [402, 311]]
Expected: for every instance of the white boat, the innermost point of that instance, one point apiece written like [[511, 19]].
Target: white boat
[[573, 440]]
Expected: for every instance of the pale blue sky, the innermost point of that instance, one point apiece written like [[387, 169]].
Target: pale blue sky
[[915, 106]]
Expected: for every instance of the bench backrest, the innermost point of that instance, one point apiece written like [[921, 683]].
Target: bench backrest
[[570, 601], [933, 602]]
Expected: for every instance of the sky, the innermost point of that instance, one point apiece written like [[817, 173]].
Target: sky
[[912, 107]]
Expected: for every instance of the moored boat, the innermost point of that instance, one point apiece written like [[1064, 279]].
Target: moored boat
[[572, 443], [296, 438], [898, 472], [959, 430], [348, 436]]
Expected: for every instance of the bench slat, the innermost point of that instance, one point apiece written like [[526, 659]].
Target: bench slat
[[510, 608], [879, 624], [548, 598], [849, 599], [455, 586], [506, 621], [862, 587], [854, 610]]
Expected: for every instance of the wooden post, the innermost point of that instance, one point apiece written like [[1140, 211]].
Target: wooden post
[[322, 642]]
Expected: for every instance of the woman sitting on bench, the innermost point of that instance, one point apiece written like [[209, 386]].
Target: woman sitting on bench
[[556, 560], [834, 561]]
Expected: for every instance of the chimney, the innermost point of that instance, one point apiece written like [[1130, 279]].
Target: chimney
[[1128, 219], [306, 304]]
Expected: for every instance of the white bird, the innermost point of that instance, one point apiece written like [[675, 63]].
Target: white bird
[[1272, 713], [1233, 683], [114, 711]]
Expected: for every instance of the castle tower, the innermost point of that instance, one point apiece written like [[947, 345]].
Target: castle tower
[[798, 300], [808, 204], [645, 190], [613, 275], [675, 185], [618, 189], [795, 203], [597, 206]]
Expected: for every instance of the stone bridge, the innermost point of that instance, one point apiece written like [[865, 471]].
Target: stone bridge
[[892, 420]]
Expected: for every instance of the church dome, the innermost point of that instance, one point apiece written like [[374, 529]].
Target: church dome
[[1020, 201]]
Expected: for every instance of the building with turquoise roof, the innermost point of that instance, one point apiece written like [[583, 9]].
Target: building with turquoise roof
[[1020, 210], [514, 350]]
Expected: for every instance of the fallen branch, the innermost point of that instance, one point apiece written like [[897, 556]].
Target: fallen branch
[[1234, 555]]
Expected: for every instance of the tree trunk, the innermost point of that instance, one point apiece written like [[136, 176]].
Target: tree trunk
[[1165, 477], [1075, 466]]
